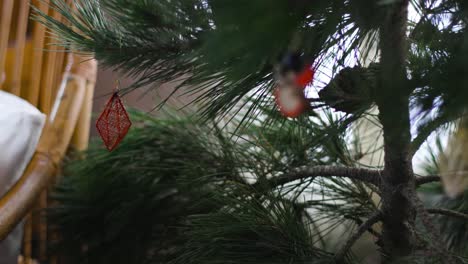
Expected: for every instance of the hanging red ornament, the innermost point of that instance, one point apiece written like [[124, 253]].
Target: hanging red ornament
[[293, 73], [113, 123], [290, 100], [305, 77]]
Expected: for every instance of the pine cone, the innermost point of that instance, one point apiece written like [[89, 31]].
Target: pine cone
[[351, 89]]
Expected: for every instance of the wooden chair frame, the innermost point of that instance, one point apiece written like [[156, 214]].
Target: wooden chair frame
[[40, 76]]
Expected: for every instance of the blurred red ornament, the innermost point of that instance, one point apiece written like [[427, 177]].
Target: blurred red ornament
[[290, 100], [113, 123], [305, 77]]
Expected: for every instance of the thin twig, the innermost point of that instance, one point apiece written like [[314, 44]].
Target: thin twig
[[447, 212], [361, 174], [427, 179], [359, 222], [374, 218]]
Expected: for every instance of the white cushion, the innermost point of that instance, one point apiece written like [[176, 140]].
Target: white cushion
[[21, 126]]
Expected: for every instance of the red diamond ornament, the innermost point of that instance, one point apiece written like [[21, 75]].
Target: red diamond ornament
[[113, 123]]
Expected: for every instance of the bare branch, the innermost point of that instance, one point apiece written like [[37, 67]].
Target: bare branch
[[447, 212], [367, 225], [361, 174], [427, 179]]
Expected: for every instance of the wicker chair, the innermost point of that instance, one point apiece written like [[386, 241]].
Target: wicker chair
[[60, 85]]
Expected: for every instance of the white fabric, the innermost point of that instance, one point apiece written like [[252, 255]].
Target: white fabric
[[21, 125]]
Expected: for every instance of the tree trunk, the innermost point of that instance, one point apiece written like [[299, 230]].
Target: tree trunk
[[392, 100]]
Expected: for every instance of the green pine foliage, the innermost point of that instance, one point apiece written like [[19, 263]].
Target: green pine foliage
[[205, 43], [177, 191], [225, 52], [252, 229], [116, 207], [454, 231]]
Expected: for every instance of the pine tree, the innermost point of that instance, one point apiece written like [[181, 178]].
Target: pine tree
[[227, 52]]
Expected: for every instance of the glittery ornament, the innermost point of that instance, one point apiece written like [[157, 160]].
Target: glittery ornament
[[305, 77], [290, 100]]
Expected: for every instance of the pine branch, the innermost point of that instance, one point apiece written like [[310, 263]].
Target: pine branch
[[447, 212], [426, 130], [359, 222], [429, 225], [367, 225], [427, 179], [361, 174]]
